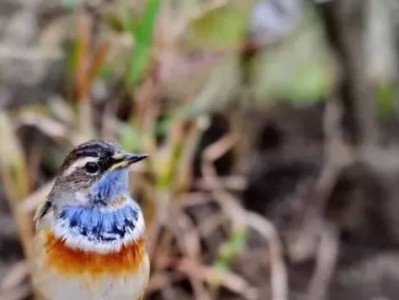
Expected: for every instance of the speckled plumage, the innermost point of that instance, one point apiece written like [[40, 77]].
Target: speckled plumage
[[90, 239]]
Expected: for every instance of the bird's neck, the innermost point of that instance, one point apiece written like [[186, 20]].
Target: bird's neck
[[98, 228]]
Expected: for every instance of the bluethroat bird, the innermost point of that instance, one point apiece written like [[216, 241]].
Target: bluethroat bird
[[90, 233]]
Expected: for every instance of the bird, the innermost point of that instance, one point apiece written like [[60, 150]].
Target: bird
[[90, 235]]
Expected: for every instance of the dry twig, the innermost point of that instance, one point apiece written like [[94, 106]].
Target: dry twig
[[327, 255], [240, 217]]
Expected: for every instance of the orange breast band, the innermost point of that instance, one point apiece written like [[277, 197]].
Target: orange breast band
[[71, 261]]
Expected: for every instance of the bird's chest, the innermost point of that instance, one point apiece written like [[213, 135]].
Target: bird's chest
[[57, 286], [71, 274], [92, 253]]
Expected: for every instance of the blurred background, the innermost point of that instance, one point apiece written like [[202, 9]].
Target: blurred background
[[271, 125]]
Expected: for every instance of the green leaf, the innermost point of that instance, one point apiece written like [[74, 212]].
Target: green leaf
[[143, 34], [138, 63], [228, 252], [232, 248], [222, 27], [72, 58], [147, 25], [386, 99]]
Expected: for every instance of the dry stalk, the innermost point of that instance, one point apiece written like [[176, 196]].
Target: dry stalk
[[240, 217], [229, 280], [327, 255], [338, 156], [15, 276]]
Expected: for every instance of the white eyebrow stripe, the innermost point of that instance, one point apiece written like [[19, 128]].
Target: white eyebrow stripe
[[80, 163]]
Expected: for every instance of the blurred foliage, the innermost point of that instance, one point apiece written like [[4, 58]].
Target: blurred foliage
[[386, 99], [71, 3], [222, 27], [298, 69], [233, 247], [13, 168], [213, 33], [142, 32], [148, 74]]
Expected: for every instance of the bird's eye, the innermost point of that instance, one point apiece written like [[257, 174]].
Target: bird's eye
[[91, 167]]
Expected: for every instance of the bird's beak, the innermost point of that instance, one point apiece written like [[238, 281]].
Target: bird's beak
[[133, 158], [125, 160]]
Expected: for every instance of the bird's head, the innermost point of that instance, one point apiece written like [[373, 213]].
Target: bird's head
[[94, 173], [89, 207]]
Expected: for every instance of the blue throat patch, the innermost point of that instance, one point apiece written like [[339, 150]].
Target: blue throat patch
[[110, 186], [97, 222]]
